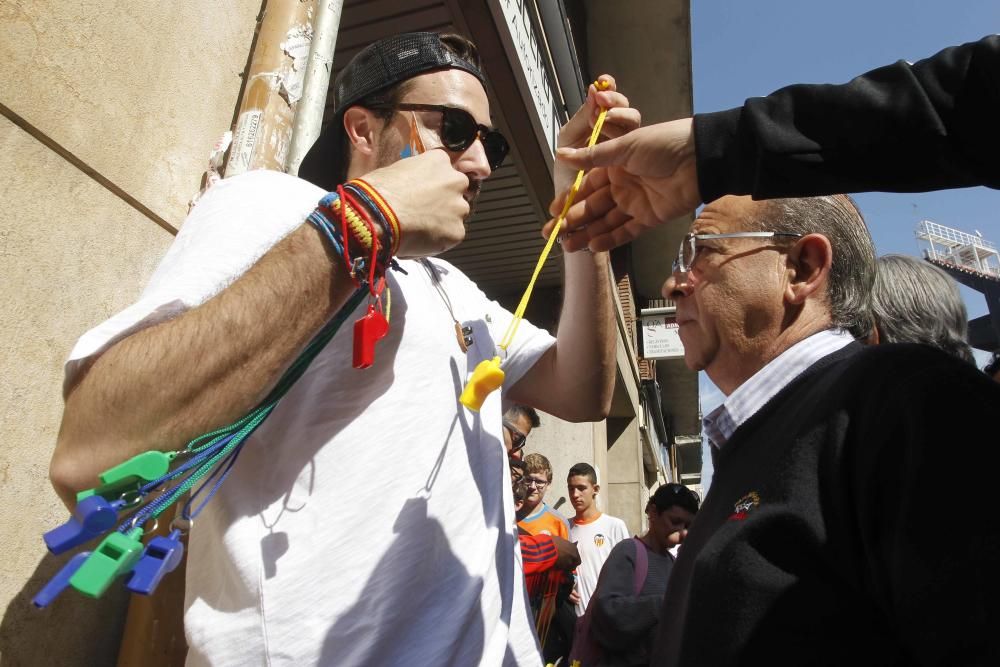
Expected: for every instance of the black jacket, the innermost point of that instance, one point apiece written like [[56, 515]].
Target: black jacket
[[852, 521], [931, 125]]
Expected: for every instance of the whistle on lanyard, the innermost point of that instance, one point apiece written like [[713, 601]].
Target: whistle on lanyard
[[130, 475], [161, 556], [116, 555], [92, 516], [487, 377]]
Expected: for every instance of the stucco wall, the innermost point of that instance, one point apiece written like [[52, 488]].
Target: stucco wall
[[117, 106]]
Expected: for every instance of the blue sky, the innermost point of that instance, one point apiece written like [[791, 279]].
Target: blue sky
[[744, 49]]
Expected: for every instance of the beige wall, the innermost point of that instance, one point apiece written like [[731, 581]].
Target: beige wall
[[117, 106]]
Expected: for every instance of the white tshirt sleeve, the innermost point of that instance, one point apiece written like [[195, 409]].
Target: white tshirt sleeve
[[233, 225]]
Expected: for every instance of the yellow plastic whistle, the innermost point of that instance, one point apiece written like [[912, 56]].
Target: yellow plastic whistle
[[485, 379]]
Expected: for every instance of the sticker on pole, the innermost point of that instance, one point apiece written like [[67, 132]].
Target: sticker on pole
[[243, 143]]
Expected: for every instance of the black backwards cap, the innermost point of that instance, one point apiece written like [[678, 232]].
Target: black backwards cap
[[385, 63]]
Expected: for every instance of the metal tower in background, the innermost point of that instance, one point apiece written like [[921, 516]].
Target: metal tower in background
[[973, 261]]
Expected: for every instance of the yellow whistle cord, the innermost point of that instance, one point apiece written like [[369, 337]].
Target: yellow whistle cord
[[488, 375], [508, 337]]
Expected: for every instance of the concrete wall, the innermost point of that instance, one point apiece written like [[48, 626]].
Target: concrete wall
[[109, 113], [625, 484]]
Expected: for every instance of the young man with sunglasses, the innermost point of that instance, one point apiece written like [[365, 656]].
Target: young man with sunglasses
[[380, 566], [518, 421]]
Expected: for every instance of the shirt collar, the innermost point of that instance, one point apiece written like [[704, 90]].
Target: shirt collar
[[720, 424]]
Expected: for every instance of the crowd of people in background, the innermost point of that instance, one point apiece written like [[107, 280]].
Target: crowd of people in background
[[594, 593]]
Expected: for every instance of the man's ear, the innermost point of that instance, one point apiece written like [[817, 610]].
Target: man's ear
[[360, 125], [597, 487], [809, 263]]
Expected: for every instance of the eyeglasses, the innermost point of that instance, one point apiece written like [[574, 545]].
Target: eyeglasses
[[517, 439], [459, 129], [536, 483], [689, 245]]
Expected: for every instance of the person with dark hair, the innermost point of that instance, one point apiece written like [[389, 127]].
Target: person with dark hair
[[905, 127], [371, 563], [594, 532], [518, 421], [627, 602], [916, 302], [811, 547]]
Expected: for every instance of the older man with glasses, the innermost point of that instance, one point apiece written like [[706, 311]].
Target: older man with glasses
[[812, 545]]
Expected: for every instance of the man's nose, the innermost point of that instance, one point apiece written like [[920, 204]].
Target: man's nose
[[473, 162], [677, 285]]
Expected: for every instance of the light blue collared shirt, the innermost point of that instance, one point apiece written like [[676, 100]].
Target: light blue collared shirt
[[720, 424]]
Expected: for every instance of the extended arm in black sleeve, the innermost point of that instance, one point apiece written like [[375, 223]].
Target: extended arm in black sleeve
[[931, 125]]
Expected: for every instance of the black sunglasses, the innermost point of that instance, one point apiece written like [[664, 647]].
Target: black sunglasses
[[459, 129], [517, 439]]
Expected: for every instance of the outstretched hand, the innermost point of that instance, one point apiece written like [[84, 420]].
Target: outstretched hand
[[637, 181]]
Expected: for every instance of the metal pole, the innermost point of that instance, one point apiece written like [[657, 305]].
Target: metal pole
[[309, 112], [274, 87], [154, 630]]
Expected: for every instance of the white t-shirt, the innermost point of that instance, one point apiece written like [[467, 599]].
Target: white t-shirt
[[594, 539], [369, 520]]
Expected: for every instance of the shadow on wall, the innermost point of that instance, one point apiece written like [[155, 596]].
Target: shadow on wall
[[73, 631]]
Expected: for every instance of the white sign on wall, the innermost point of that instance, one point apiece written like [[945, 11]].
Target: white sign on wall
[[533, 77], [660, 337]]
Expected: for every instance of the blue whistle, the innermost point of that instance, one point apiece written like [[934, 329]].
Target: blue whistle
[[162, 556], [93, 516], [60, 582]]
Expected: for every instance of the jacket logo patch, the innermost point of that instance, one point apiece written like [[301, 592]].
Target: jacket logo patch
[[744, 506], [599, 540]]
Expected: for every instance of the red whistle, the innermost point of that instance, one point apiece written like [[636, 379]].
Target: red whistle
[[367, 331]]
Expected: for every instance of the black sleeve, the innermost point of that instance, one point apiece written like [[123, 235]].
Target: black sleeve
[[621, 619], [931, 125]]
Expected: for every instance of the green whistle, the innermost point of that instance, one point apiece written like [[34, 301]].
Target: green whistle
[[130, 475], [115, 556]]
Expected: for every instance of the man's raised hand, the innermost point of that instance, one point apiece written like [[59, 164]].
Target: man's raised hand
[[427, 194], [636, 181]]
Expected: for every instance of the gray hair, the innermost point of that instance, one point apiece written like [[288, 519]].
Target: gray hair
[[916, 302], [852, 273]]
